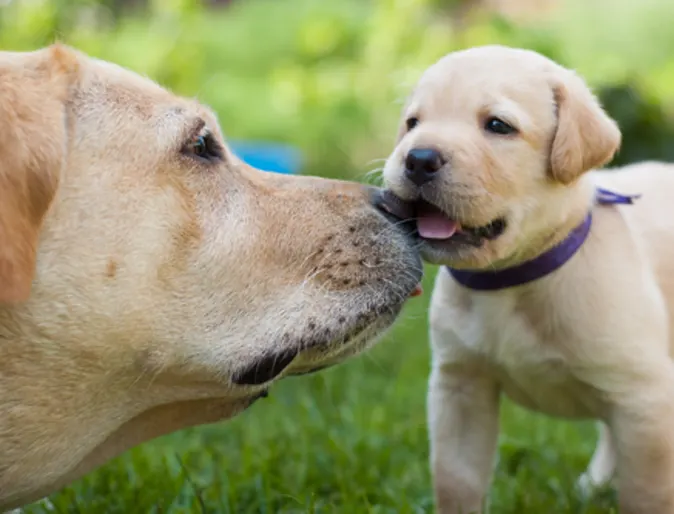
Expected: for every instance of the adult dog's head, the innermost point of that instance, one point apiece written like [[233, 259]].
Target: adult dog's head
[[150, 280], [491, 146]]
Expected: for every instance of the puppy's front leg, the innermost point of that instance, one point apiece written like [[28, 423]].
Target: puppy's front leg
[[643, 428], [463, 410]]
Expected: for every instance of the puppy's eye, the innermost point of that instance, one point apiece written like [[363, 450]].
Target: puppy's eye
[[204, 146], [498, 126], [411, 123]]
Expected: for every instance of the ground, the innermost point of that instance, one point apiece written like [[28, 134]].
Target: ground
[[348, 440]]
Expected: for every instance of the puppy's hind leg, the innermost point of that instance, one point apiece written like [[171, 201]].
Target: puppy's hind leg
[[45, 504], [602, 465]]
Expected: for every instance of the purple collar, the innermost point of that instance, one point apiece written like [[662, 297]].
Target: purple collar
[[545, 263]]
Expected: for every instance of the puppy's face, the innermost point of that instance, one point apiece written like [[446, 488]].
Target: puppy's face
[[143, 264], [491, 143]]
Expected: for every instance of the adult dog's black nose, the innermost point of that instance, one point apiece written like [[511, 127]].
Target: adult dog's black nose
[[421, 165]]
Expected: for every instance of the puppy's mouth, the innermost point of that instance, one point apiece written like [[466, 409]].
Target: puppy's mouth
[[434, 225]]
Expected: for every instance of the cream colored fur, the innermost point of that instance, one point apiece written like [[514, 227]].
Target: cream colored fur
[[139, 282], [591, 340]]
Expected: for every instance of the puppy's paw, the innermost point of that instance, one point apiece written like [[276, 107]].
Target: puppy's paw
[[585, 486], [588, 487], [45, 503]]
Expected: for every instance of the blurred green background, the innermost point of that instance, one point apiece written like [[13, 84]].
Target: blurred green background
[[329, 77]]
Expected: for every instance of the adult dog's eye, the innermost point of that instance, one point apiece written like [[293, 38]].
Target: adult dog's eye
[[498, 126], [200, 147], [411, 123], [204, 146]]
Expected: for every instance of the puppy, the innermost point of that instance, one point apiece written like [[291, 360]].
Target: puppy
[[558, 282], [150, 280]]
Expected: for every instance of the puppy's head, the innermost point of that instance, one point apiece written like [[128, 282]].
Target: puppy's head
[[142, 263], [491, 146]]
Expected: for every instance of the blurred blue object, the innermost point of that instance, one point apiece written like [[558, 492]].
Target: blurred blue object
[[274, 157]]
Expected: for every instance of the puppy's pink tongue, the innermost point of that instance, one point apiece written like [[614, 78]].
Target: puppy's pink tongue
[[435, 225]]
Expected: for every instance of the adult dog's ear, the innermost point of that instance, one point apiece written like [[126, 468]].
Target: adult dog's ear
[[34, 89], [586, 137]]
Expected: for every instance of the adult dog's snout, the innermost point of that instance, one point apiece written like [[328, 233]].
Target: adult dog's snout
[[422, 165]]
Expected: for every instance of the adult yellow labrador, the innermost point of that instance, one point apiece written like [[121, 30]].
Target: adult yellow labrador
[[149, 280], [558, 288]]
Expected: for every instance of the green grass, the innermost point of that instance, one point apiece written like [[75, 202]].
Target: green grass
[[348, 440]]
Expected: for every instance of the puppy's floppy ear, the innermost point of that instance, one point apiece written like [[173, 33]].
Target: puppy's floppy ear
[[586, 137], [34, 89]]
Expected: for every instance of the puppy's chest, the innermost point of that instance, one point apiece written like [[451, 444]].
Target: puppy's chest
[[526, 356], [499, 329]]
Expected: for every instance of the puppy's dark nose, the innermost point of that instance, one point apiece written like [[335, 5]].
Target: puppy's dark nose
[[421, 165]]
